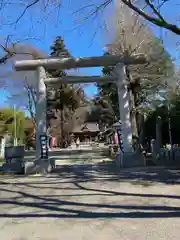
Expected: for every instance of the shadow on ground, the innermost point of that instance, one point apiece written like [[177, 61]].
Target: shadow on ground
[[109, 172], [76, 179]]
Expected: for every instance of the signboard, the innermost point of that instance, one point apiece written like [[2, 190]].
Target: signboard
[[44, 146]]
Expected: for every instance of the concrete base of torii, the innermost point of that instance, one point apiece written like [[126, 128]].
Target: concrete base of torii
[[129, 159], [38, 166]]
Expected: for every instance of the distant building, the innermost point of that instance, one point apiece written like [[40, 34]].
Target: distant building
[[86, 132]]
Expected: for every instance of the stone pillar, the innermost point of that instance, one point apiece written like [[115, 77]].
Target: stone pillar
[[40, 109], [3, 144], [124, 109]]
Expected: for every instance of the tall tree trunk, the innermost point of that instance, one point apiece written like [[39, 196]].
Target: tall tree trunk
[[133, 113], [62, 125], [141, 119], [133, 121], [31, 103], [62, 119]]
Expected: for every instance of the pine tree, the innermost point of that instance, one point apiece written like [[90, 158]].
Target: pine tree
[[58, 50], [66, 99], [107, 98]]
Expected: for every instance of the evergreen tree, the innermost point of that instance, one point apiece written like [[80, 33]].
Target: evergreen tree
[[104, 108], [58, 50], [64, 100]]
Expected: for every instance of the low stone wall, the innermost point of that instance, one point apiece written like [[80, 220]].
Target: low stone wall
[[164, 157], [172, 155], [14, 159], [128, 160], [167, 157]]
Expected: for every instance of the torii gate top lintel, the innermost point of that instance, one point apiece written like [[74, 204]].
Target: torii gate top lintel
[[68, 63]]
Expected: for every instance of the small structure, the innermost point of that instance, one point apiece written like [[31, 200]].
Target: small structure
[[14, 156], [86, 132]]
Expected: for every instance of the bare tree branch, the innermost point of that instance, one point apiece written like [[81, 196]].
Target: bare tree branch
[[155, 18], [159, 21], [17, 48], [20, 86], [25, 10]]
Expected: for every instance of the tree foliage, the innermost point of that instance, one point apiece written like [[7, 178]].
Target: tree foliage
[[66, 107], [169, 110], [7, 119]]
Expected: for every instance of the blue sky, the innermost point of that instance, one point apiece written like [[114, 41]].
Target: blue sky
[[42, 31], [43, 27]]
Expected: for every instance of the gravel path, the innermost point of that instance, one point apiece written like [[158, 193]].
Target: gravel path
[[91, 202]]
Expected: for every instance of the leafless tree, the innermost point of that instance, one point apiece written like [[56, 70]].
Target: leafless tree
[[150, 10], [19, 85], [133, 36]]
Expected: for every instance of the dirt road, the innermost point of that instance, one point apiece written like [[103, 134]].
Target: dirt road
[[91, 202]]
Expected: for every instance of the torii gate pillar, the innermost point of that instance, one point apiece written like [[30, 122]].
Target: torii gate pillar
[[129, 158], [123, 96], [41, 128]]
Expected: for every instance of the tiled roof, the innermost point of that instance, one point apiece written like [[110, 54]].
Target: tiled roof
[[86, 127]]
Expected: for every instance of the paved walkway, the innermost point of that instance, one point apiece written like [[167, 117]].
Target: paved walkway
[[91, 202]]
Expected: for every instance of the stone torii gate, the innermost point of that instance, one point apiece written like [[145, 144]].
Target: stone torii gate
[[118, 76]]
